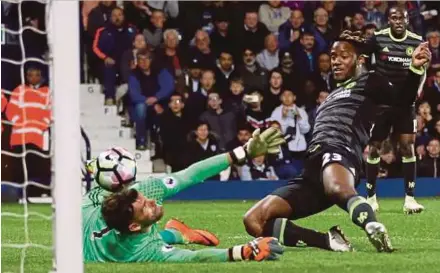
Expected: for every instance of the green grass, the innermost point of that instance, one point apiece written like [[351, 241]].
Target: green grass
[[417, 238]]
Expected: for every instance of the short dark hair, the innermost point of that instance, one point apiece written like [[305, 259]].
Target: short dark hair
[[306, 33], [144, 53], [117, 210]]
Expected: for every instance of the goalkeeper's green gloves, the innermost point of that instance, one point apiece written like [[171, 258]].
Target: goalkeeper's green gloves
[[260, 249], [267, 142]]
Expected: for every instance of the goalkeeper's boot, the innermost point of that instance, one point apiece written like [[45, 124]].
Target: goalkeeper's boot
[[193, 236], [411, 206], [378, 236], [337, 240], [373, 203]]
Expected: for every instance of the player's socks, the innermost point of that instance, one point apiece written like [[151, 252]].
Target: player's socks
[[290, 234], [409, 174], [372, 171], [172, 236], [361, 213]]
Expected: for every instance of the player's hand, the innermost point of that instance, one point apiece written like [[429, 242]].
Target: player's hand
[[421, 55], [268, 142], [261, 249]]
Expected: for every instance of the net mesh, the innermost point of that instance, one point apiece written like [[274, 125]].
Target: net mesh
[[26, 122]]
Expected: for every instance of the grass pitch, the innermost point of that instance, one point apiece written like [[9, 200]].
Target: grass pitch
[[417, 238]]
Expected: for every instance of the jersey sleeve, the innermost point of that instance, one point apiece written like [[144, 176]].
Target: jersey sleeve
[[171, 254], [166, 186]]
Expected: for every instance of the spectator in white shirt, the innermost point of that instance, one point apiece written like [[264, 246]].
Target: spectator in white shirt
[[294, 121]]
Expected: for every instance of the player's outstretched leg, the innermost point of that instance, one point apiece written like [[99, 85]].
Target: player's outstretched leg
[[189, 235], [339, 186], [373, 161], [269, 218], [409, 174]]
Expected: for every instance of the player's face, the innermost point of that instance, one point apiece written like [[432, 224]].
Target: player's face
[[225, 61], [176, 104], [276, 80], [145, 212], [398, 21], [243, 136], [117, 17], [343, 60], [33, 77]]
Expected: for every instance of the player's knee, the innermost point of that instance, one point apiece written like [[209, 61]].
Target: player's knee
[[252, 224]]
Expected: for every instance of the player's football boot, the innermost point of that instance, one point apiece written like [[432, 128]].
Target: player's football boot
[[378, 236], [337, 240], [193, 236], [373, 203], [411, 206]]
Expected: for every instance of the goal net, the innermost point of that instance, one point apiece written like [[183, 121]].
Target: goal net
[[41, 137]]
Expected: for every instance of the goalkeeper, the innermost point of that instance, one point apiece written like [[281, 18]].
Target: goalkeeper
[[121, 227]]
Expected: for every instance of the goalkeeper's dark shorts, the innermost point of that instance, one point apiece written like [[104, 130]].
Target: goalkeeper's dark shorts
[[305, 194]]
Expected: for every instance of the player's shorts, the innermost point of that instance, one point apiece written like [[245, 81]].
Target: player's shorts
[[305, 194], [401, 121]]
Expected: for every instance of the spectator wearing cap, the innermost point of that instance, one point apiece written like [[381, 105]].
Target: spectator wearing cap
[[373, 15], [432, 94], [221, 37], [322, 30], [224, 71], [433, 38], [190, 80], [170, 55], [268, 57], [173, 131], [147, 88], [272, 96], [428, 166], [202, 144], [289, 31], [222, 122], [197, 101], [290, 78], [153, 31], [294, 121], [252, 33], [256, 115], [202, 50], [272, 14], [109, 45], [306, 55], [253, 75]]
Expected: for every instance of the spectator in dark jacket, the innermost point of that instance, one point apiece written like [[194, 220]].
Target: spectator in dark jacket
[[272, 96], [291, 79], [99, 16], [147, 88], [433, 38], [324, 78], [202, 145], [174, 131], [321, 30], [169, 56], [221, 37], [225, 71], [253, 75], [290, 31], [223, 123], [252, 33], [429, 166], [202, 50], [109, 45], [234, 99], [306, 55], [432, 94]]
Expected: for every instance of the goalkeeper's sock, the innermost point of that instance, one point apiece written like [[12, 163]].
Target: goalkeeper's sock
[[361, 213], [290, 234], [172, 236], [409, 174]]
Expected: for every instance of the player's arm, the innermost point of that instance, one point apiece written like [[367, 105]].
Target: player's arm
[[257, 250]]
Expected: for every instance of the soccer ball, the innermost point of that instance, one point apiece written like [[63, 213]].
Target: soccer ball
[[114, 168]]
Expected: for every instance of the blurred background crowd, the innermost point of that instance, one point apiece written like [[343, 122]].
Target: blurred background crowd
[[194, 79]]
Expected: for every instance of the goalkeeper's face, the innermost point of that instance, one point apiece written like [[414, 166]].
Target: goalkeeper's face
[[145, 213]]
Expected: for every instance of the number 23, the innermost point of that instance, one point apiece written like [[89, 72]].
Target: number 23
[[330, 157]]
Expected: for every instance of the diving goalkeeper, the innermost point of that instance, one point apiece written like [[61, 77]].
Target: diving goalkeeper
[[121, 226]]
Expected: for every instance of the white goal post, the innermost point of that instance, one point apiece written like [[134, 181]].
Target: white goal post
[[64, 45]]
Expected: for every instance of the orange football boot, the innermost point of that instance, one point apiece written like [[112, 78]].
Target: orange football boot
[[193, 236]]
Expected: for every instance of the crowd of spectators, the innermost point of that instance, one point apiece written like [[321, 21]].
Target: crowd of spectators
[[199, 77]]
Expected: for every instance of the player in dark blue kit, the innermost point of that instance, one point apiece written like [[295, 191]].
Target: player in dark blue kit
[[334, 157]]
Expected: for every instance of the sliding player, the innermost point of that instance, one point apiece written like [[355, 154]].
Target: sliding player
[[334, 157], [122, 226], [392, 48]]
